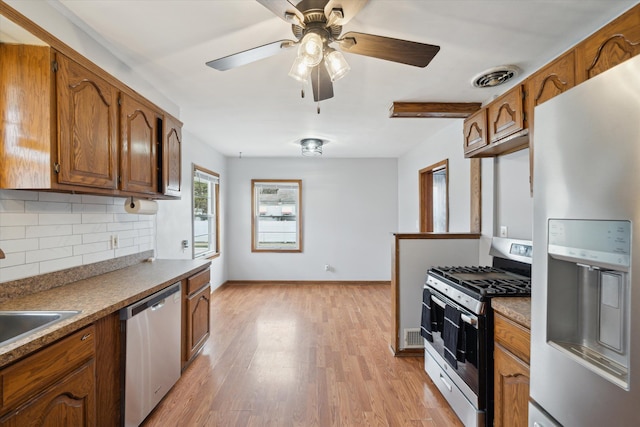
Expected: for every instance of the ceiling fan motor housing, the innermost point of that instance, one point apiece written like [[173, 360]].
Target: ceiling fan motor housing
[[314, 17]]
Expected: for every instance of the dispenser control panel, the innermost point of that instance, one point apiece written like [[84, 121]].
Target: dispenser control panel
[[594, 242]]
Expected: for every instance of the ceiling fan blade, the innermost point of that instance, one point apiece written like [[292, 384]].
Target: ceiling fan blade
[[321, 83], [387, 48], [349, 9], [285, 10], [250, 55]]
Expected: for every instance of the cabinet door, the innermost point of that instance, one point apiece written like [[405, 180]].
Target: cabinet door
[[475, 131], [69, 402], [506, 114], [614, 43], [138, 165], [172, 157], [551, 80], [511, 389], [197, 321], [87, 127]]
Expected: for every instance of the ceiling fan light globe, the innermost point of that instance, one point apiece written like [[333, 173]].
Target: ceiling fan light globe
[[336, 65], [310, 49], [300, 70]]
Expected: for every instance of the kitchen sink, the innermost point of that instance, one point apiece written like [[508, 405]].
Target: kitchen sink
[[18, 324]]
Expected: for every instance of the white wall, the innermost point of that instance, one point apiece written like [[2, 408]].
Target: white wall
[[513, 202], [446, 144], [349, 210], [505, 188], [174, 216]]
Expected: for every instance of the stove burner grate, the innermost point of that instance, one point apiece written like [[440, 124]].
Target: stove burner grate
[[485, 281]]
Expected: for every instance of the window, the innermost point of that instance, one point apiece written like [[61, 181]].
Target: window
[[276, 215], [206, 197], [434, 198]]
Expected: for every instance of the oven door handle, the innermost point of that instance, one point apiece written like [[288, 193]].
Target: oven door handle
[[466, 319]]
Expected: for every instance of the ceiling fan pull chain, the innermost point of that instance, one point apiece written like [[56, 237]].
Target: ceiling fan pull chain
[[318, 107]]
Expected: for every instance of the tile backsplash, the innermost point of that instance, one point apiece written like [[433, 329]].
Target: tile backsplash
[[41, 232]]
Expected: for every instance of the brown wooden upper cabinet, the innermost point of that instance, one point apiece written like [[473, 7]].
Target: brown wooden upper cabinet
[[498, 128], [506, 114], [475, 131], [73, 127], [172, 157], [616, 42], [550, 81], [141, 131], [87, 108]]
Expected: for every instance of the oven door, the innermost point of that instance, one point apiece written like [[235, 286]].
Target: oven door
[[471, 362]]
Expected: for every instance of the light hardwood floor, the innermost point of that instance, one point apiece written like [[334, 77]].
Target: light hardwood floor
[[302, 355]]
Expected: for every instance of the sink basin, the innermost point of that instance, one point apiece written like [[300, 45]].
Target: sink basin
[[18, 324]]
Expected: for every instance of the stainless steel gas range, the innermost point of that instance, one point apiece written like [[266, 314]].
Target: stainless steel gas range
[[457, 326]]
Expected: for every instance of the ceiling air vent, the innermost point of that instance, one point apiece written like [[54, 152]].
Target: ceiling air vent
[[495, 76]]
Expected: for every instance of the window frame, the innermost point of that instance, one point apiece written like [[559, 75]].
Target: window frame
[[255, 245], [425, 177], [215, 198]]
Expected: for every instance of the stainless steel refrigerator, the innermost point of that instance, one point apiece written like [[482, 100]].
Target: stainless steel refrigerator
[[585, 331]]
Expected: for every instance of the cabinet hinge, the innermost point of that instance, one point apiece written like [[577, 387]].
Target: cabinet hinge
[[119, 101], [54, 66], [56, 167]]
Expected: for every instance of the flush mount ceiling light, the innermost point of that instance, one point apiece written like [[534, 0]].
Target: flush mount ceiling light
[[316, 25], [312, 146], [495, 76]]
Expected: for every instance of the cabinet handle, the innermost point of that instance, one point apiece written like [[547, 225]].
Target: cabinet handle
[[85, 337]]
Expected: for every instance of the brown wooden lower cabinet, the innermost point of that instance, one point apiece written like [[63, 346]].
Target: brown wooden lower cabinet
[[76, 381], [511, 393], [511, 373], [53, 387], [196, 309], [69, 402]]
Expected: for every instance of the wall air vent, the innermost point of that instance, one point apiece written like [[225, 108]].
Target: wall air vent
[[495, 76], [412, 338]]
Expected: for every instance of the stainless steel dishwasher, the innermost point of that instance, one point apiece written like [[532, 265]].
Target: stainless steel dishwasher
[[151, 351]]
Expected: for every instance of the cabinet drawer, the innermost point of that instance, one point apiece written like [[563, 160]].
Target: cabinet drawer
[[36, 372], [197, 281], [512, 336]]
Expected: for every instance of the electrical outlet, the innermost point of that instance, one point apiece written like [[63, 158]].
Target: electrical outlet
[[503, 231], [185, 244], [114, 241]]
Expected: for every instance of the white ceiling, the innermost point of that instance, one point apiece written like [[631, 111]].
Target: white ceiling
[[257, 109]]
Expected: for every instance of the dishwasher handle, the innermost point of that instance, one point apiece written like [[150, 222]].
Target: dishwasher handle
[[154, 301]]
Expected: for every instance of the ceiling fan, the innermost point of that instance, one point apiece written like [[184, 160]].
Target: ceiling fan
[[316, 25]]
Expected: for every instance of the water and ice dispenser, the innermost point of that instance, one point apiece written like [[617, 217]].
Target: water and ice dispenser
[[588, 288]]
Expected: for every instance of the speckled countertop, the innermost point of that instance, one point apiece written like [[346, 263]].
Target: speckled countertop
[[517, 309], [96, 297]]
